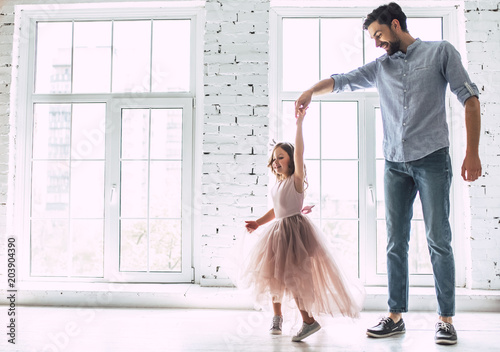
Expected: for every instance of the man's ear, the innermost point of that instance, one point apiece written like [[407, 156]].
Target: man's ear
[[395, 24]]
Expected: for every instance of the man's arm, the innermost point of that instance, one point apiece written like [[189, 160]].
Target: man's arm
[[471, 167], [322, 87]]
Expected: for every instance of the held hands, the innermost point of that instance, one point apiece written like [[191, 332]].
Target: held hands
[[471, 167], [251, 226], [302, 104], [300, 115]]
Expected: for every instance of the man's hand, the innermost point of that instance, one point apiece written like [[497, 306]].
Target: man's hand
[[302, 103], [322, 87], [471, 168]]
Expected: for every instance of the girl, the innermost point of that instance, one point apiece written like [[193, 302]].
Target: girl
[[291, 259]]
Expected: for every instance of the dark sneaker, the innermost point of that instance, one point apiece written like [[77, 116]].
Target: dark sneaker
[[445, 334], [387, 327]]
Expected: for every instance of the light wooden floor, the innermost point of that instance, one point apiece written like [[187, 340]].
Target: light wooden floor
[[50, 329]]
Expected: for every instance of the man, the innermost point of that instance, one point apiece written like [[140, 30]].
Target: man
[[412, 79]]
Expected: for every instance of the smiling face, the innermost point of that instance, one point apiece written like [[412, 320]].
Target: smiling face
[[281, 162], [385, 37]]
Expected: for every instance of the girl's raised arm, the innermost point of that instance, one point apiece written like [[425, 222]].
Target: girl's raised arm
[[298, 156]]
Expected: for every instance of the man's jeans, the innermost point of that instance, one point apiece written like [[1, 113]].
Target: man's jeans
[[431, 177]]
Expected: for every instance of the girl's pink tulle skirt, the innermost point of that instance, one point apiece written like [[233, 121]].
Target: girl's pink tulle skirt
[[291, 261]]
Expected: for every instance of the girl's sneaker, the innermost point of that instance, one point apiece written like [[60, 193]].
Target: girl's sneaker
[[306, 330], [277, 325]]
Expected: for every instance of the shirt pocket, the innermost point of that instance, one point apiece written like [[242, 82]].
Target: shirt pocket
[[422, 68]]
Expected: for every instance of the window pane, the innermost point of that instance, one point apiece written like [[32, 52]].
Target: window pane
[[339, 189], [300, 53], [165, 192], [88, 131], [343, 234], [341, 45], [165, 245], [171, 55], [310, 128], [88, 247], [51, 131], [49, 247], [151, 189], [313, 190], [135, 133], [87, 189], [166, 133], [134, 189], [92, 57], [339, 130], [131, 56], [430, 29], [50, 189], [133, 245], [53, 57]]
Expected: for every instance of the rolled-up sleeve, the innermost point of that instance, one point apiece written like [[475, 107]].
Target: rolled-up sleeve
[[360, 78], [456, 75]]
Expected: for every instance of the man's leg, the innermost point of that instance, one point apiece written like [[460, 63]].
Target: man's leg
[[400, 192], [433, 175]]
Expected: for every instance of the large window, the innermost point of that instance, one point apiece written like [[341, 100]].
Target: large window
[[343, 134], [108, 132]]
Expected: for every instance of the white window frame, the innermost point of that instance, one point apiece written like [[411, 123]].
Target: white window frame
[[450, 13], [22, 112]]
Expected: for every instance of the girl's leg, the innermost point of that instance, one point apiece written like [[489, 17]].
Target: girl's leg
[[276, 326], [306, 318], [309, 327], [305, 315], [277, 308]]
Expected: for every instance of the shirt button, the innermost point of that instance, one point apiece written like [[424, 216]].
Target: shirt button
[[404, 75], [404, 91], [405, 107], [404, 123]]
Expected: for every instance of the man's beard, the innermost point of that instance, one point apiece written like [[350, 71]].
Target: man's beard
[[394, 46]]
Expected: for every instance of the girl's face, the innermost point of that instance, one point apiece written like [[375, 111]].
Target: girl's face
[[281, 162]]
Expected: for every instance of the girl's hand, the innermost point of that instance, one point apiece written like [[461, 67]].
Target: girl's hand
[[307, 209], [301, 113], [251, 226]]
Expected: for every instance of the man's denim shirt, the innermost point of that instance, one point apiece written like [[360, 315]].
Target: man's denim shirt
[[412, 89]]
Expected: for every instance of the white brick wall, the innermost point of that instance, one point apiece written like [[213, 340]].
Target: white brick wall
[[236, 101], [483, 50], [235, 131]]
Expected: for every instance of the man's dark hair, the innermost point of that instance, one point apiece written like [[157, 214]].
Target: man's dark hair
[[385, 14]]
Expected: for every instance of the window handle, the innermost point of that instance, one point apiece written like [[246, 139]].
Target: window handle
[[372, 193], [112, 196]]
